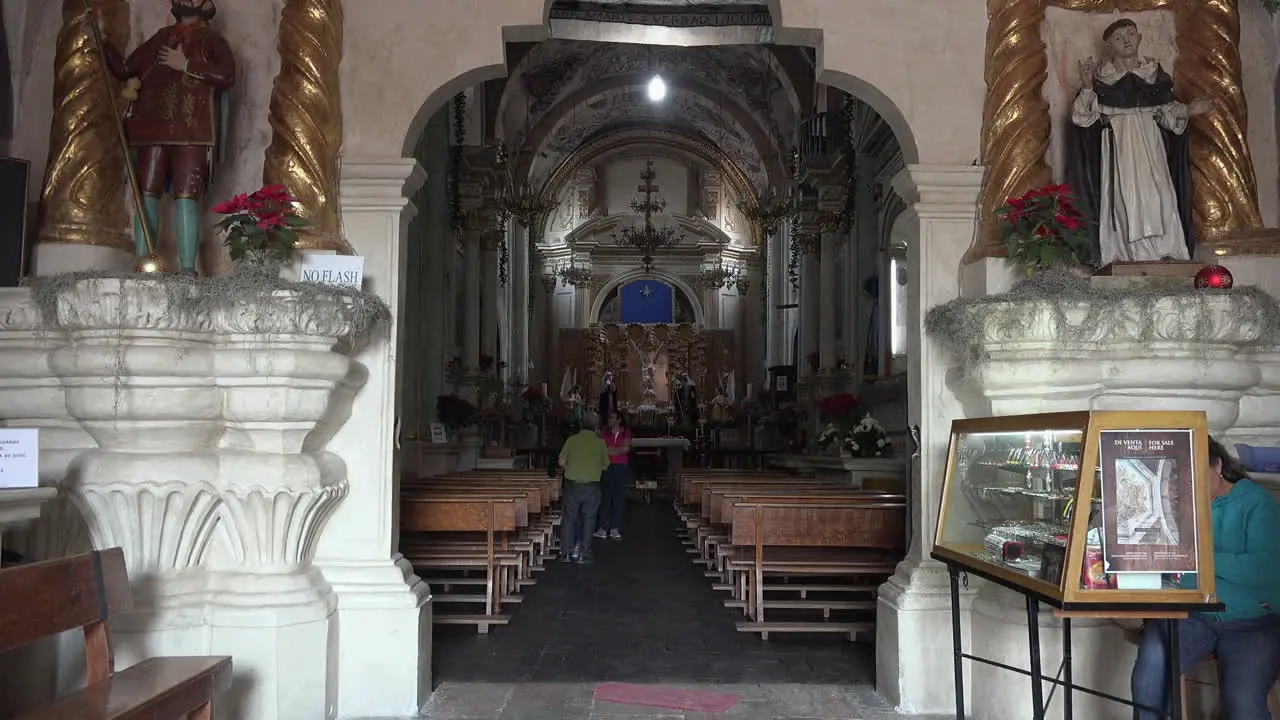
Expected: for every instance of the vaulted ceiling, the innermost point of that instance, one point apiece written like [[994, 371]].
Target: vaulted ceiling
[[742, 99]]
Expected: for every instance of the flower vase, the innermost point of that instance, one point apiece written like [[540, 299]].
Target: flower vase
[[846, 453]]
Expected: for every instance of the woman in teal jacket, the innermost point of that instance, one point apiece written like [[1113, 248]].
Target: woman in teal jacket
[[1246, 635]]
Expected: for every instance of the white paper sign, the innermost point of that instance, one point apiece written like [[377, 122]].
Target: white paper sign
[[19, 457], [343, 270]]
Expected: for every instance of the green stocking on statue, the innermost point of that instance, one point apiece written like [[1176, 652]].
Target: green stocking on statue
[[176, 120]]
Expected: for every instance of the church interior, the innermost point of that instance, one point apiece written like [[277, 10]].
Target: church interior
[[595, 359]]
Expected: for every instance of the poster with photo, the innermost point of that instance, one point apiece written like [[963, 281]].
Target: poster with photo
[[1148, 501]]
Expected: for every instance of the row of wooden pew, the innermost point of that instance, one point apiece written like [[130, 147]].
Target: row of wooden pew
[[478, 539], [809, 552]]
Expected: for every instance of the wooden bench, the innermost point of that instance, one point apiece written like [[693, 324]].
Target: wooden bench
[[453, 547], [494, 515], [722, 499], [801, 536], [82, 592], [538, 520]]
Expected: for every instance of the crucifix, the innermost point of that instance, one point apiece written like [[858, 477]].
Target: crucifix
[[648, 176]]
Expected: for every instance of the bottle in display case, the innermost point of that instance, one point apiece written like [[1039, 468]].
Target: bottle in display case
[[1090, 507]]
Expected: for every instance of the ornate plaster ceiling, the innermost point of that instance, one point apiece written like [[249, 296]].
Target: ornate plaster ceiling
[[630, 106], [669, 13], [564, 92]]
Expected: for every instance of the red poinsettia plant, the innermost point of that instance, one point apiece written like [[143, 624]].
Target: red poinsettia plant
[[261, 226], [1044, 229], [841, 407]]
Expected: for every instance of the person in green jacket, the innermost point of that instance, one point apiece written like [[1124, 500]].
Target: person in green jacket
[[1246, 635], [584, 458]]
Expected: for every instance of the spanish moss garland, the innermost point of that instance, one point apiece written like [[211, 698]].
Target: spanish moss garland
[[348, 314], [347, 311], [960, 324]]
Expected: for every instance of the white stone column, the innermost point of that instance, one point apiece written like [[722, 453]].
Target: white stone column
[[914, 667], [384, 613], [519, 239], [810, 298], [471, 261], [489, 297], [773, 277], [827, 301]]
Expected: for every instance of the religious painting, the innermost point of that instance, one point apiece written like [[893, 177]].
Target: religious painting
[[1170, 70], [584, 203]]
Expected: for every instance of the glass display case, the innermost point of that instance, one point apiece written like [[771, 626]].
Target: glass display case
[[1103, 507]]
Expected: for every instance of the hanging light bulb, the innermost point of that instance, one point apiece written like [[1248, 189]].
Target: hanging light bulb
[[657, 88]]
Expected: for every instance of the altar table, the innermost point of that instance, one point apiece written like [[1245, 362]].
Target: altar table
[[674, 446]]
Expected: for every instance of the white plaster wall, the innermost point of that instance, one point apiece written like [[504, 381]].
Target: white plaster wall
[[622, 182]]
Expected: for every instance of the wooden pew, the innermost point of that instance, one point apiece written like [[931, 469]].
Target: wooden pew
[[800, 536], [538, 524], [720, 499], [494, 514], [81, 593]]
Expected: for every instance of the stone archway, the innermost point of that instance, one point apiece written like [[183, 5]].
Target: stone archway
[[456, 50]]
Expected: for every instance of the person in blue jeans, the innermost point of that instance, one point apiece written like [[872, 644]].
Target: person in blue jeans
[[583, 459], [617, 477], [1246, 635]]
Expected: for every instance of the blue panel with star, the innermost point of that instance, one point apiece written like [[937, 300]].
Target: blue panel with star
[[646, 302]]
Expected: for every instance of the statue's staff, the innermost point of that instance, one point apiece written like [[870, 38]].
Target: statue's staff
[[134, 186]]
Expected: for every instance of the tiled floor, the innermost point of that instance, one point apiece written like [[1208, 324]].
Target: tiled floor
[[642, 613]]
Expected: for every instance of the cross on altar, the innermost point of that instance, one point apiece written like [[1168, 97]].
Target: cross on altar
[[648, 176]]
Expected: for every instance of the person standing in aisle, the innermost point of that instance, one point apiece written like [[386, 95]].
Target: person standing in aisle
[[617, 477], [584, 458]]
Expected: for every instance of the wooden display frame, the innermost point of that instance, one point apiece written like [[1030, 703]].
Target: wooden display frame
[[1067, 594]]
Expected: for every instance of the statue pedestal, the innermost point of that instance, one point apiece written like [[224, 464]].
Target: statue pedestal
[[207, 420], [1183, 351]]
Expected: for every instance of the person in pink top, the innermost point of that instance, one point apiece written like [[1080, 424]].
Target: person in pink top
[[613, 485]]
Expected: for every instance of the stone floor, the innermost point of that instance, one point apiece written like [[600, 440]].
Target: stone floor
[[642, 613]]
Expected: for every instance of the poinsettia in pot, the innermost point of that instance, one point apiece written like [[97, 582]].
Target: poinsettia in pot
[[261, 228], [1043, 229]]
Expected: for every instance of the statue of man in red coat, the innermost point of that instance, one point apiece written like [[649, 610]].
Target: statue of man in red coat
[[176, 121]]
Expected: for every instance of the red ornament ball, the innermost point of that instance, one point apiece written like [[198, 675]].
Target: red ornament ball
[[1215, 277]]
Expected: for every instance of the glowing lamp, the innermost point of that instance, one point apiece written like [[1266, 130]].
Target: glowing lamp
[[1214, 277], [657, 88], [150, 264]]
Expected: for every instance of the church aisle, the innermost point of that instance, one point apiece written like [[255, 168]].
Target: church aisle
[[643, 613]]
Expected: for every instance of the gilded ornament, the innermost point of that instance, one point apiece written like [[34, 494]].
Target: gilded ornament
[[1016, 125], [306, 118], [83, 198]]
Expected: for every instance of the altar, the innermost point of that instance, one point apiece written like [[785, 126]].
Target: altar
[[660, 370], [674, 448]]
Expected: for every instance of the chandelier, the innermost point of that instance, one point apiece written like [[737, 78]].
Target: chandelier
[[717, 277], [648, 239], [523, 204], [770, 214], [573, 275]]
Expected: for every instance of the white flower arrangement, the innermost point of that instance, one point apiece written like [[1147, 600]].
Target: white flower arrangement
[[865, 439]]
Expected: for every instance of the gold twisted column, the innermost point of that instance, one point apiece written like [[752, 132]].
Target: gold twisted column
[[306, 118], [1016, 123], [84, 187]]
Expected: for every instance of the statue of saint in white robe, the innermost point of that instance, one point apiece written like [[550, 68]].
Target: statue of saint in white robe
[[1138, 175]]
